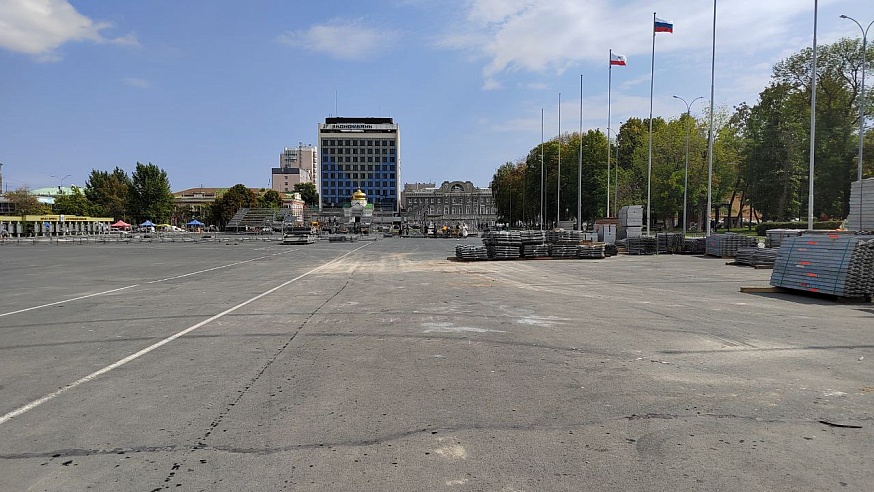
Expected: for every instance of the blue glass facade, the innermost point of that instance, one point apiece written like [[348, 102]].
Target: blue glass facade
[[359, 153]]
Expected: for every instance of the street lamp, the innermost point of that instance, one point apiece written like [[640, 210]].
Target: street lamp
[[686, 175], [60, 181], [861, 108]]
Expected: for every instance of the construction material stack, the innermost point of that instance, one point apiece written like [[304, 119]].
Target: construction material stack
[[670, 242], [591, 251], [641, 245], [503, 245], [756, 257], [861, 206], [470, 252], [695, 245], [565, 244], [726, 245], [775, 236], [534, 244], [630, 221], [835, 264]]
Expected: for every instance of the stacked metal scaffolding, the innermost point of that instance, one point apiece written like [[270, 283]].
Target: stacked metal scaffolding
[[756, 256], [471, 252], [591, 251], [863, 202], [835, 264], [670, 242], [775, 236], [534, 244], [503, 245], [695, 245], [726, 245], [641, 245]]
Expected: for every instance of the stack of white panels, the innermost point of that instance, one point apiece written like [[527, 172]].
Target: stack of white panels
[[861, 199], [630, 221]]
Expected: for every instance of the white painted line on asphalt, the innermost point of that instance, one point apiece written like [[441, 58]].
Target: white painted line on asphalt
[[68, 300], [95, 374], [213, 268], [136, 285]]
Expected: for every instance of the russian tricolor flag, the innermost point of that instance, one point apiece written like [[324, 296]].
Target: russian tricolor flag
[[617, 59], [662, 25]]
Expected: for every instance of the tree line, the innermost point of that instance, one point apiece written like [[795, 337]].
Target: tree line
[[761, 154], [145, 194]]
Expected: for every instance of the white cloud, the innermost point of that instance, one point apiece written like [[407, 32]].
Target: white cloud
[[137, 82], [340, 38], [554, 35], [39, 27]]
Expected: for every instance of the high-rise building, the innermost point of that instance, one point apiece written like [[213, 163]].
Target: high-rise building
[[359, 153], [296, 165]]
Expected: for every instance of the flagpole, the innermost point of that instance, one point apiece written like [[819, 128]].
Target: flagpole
[[649, 156], [609, 85], [542, 175], [580, 165], [813, 125], [710, 131], [558, 175]]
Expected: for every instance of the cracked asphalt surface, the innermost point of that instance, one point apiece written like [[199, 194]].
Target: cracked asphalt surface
[[390, 368]]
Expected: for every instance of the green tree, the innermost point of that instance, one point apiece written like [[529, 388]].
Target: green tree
[[837, 103], [226, 205], [308, 193], [108, 193], [150, 197], [507, 191], [25, 203], [269, 199], [772, 158], [73, 204]]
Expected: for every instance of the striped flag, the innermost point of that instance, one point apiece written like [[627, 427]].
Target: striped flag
[[617, 59], [662, 25]]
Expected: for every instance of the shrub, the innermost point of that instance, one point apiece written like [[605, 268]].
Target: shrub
[[822, 225]]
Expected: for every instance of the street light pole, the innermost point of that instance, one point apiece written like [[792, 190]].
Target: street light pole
[[60, 181], [686, 174], [861, 107]]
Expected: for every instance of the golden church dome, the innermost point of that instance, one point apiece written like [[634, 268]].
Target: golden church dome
[[359, 195]]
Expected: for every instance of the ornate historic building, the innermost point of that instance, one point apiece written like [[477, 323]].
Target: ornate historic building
[[453, 203]]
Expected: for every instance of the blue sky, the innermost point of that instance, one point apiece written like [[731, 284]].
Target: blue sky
[[213, 90]]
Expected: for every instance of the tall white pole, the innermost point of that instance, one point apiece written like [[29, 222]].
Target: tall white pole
[[710, 129], [558, 174], [649, 155], [616, 175], [609, 85], [542, 175], [812, 122], [861, 107], [686, 173], [580, 166]]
